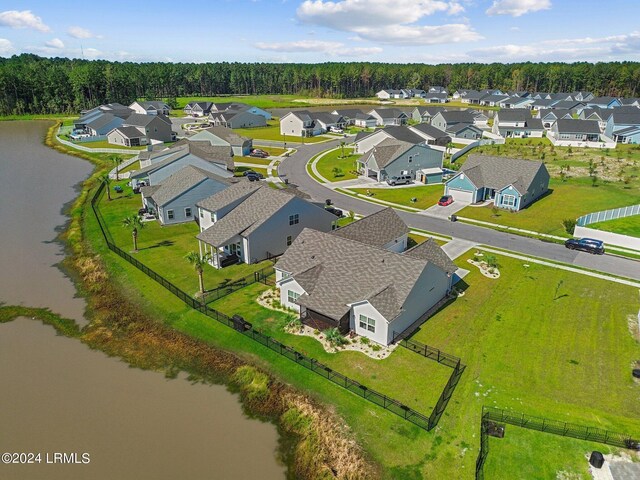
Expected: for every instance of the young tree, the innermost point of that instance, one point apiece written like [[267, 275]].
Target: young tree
[[198, 262], [342, 144], [106, 179], [117, 159], [133, 223]]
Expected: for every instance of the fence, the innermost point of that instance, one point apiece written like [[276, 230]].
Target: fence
[[605, 215], [477, 143], [246, 328], [431, 352], [484, 449], [220, 291], [95, 150]]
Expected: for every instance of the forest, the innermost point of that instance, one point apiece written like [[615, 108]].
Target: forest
[[30, 84]]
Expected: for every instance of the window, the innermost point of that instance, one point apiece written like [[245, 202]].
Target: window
[[509, 200], [292, 296], [289, 240], [294, 219], [187, 212], [201, 213], [170, 214], [367, 323]]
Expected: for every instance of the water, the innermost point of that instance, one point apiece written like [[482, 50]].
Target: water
[[59, 396]]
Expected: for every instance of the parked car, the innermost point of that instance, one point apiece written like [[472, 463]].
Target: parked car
[[254, 176], [336, 130], [589, 245], [400, 180], [259, 154], [336, 211], [445, 200]]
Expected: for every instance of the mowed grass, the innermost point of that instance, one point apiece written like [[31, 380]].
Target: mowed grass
[[623, 226], [334, 159], [260, 101], [254, 160], [163, 248], [405, 376], [545, 342], [105, 144], [426, 195], [272, 132], [567, 200], [239, 171]]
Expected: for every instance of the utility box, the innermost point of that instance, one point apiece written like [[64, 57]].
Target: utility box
[[239, 324], [596, 460], [453, 218]]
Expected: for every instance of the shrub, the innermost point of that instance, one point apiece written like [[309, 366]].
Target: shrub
[[316, 332], [334, 337], [294, 323], [376, 348], [364, 340], [491, 260], [569, 225], [337, 172]]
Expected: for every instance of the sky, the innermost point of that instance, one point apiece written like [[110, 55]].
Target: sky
[[312, 31]]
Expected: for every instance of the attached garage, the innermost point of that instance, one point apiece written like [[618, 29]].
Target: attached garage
[[460, 195]]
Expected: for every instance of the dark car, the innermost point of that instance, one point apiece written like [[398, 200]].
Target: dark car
[[246, 173], [254, 176], [589, 245], [336, 211], [445, 200]]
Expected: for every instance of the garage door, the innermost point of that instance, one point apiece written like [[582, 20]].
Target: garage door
[[461, 195]]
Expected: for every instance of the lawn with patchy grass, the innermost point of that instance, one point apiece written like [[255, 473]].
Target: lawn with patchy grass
[[426, 195], [334, 159], [623, 226], [566, 200]]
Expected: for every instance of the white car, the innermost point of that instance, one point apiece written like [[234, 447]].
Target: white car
[[336, 130]]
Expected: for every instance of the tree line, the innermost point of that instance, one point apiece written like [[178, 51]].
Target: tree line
[[30, 84]]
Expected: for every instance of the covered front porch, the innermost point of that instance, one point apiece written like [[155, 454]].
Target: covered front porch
[[229, 253]]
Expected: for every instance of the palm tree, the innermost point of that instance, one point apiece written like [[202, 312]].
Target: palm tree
[[199, 261], [342, 144], [133, 223], [106, 179], [117, 159]]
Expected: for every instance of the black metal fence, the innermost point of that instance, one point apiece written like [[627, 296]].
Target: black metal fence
[[556, 427], [225, 289], [246, 328], [430, 352]]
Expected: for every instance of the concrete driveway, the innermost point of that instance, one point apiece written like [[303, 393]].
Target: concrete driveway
[[445, 212]]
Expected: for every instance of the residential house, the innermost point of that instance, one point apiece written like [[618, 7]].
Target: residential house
[[510, 182], [327, 121], [388, 94], [299, 124], [365, 121], [157, 128], [173, 200], [116, 109], [383, 229], [250, 222], [582, 96], [480, 120], [150, 108], [373, 292], [424, 114], [414, 93], [623, 126], [515, 101], [604, 102], [198, 109], [367, 140], [464, 131], [572, 132], [388, 116], [101, 125], [516, 123], [458, 124], [437, 89], [127, 137], [630, 102], [459, 94], [493, 100], [237, 119], [223, 136], [433, 135], [349, 115], [549, 116], [539, 103], [393, 157], [436, 97], [569, 105], [473, 97]]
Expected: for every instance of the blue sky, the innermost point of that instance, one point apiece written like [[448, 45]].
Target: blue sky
[[424, 31]]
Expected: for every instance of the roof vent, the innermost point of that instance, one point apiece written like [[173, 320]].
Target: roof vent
[[312, 257]]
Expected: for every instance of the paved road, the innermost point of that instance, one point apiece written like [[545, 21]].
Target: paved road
[[293, 169]]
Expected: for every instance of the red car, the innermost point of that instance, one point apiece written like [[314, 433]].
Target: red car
[[445, 200]]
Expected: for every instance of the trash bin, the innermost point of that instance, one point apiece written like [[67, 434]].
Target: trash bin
[[286, 181], [636, 372], [238, 323], [453, 218], [596, 460], [328, 202]]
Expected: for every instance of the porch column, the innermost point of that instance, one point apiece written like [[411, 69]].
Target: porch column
[[200, 248]]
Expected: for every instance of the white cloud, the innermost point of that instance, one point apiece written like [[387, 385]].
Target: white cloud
[[6, 47], [517, 8], [92, 53], [318, 46], [55, 43], [381, 21], [23, 19], [79, 32]]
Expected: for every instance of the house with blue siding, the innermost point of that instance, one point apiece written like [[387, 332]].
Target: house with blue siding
[[622, 126], [511, 183], [174, 199]]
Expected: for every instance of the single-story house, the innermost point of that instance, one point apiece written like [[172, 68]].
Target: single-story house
[[393, 157], [621, 122], [150, 108], [116, 109], [539, 103], [383, 229], [549, 117], [387, 94], [237, 119], [348, 114], [127, 137], [627, 135], [424, 114], [225, 137], [493, 100], [572, 132], [365, 141], [630, 102], [447, 118], [510, 182], [388, 116], [326, 121], [369, 290], [198, 109], [249, 222], [516, 123], [365, 121], [157, 128], [437, 89], [433, 135], [174, 199], [604, 102], [436, 97], [473, 97], [569, 105], [582, 96], [466, 131], [515, 101], [101, 125], [479, 119], [414, 93]]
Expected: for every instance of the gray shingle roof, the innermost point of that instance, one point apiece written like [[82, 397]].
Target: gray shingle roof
[[142, 120], [386, 151], [404, 134], [130, 132], [498, 172], [101, 121], [388, 112], [566, 125], [457, 116], [229, 195], [228, 135], [430, 130], [514, 115], [624, 118], [431, 251], [181, 181], [338, 271], [377, 229]]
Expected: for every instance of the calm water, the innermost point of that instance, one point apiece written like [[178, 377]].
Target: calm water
[[60, 396]]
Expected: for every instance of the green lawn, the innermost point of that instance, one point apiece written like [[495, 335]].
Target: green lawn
[[426, 195], [273, 151], [134, 166], [239, 171], [623, 226], [260, 101], [545, 342], [272, 132], [333, 159], [254, 160], [105, 144], [162, 248], [567, 200], [405, 376]]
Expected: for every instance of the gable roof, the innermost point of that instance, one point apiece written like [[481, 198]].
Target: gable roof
[[626, 118], [514, 115], [386, 151], [178, 183], [142, 120], [338, 271], [567, 125], [349, 112], [499, 172], [404, 134], [431, 251], [226, 197], [211, 153], [457, 116], [102, 121], [377, 229], [129, 132], [387, 112], [429, 130], [431, 111], [228, 135]]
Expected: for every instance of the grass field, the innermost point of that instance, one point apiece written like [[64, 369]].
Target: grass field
[[567, 200], [273, 151], [105, 144], [623, 226], [272, 132], [254, 160], [334, 159], [239, 171], [426, 195]]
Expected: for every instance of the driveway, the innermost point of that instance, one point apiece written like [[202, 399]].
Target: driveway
[[445, 212]]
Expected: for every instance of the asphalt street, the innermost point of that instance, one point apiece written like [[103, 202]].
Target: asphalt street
[[293, 169]]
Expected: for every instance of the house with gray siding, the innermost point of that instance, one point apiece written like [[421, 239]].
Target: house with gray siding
[[424, 114], [446, 119], [127, 137], [432, 135], [365, 141], [225, 137], [573, 132], [237, 119], [516, 123], [388, 116], [604, 102], [368, 289], [393, 157], [102, 124], [250, 222], [157, 128], [150, 108], [173, 200], [511, 183]]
